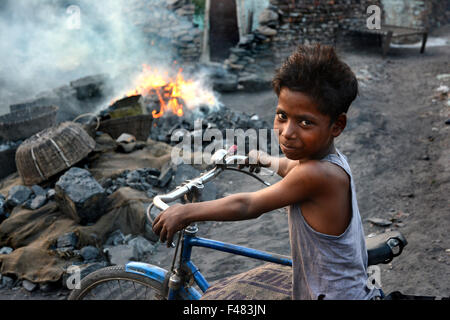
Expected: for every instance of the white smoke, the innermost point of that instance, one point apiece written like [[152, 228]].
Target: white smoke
[[45, 44]]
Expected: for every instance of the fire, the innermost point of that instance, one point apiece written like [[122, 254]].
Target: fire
[[172, 92]]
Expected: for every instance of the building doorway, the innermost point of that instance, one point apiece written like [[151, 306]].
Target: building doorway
[[224, 32]]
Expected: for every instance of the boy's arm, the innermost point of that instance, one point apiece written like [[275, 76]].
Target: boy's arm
[[285, 165], [301, 183], [282, 164]]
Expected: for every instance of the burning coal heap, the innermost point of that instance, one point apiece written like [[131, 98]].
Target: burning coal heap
[[176, 103]]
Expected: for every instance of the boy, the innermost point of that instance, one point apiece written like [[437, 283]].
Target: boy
[[315, 90]]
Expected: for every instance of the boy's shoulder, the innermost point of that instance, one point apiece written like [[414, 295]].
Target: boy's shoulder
[[319, 175]]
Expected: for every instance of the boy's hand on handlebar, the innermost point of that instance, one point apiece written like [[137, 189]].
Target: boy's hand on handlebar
[[256, 159], [168, 222]]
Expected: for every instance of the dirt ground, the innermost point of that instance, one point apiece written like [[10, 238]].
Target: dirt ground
[[398, 146]]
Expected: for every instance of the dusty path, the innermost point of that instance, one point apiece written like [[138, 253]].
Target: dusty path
[[398, 146]]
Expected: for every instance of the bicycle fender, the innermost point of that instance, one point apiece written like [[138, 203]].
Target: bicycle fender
[[159, 274]]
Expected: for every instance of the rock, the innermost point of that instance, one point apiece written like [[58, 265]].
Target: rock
[[89, 253], [126, 142], [6, 250], [268, 16], [39, 191], [89, 87], [47, 286], [227, 83], [266, 31], [51, 194], [7, 282], [37, 202], [165, 176], [17, 195], [142, 246], [120, 254], [67, 240], [253, 82], [2, 205], [379, 222], [115, 238], [80, 196], [28, 285], [133, 177]]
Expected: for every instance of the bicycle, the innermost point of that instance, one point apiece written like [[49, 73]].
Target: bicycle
[[135, 279]]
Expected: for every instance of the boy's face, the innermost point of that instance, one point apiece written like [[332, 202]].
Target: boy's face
[[304, 132]]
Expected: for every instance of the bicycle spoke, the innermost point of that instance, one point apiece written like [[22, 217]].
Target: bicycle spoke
[[121, 292]]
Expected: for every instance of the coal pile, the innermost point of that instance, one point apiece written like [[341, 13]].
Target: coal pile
[[150, 180], [220, 119]]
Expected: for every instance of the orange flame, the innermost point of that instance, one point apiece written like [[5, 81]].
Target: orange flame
[[172, 93]]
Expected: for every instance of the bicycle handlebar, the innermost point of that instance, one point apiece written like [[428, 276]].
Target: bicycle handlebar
[[219, 156], [160, 200]]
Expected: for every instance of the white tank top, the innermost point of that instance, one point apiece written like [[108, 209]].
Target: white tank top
[[327, 266]]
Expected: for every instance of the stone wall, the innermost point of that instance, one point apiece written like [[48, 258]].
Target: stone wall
[[168, 26], [288, 23], [417, 13]]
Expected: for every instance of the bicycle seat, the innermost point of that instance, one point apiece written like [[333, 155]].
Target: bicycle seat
[[384, 247]]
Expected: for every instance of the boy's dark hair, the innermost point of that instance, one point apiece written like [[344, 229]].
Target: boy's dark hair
[[317, 71]]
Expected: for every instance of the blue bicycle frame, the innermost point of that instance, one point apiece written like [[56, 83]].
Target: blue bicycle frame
[[189, 241]]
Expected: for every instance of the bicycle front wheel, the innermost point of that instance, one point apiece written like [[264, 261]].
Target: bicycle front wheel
[[114, 283]]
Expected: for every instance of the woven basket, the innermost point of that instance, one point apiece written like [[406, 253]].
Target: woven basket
[[139, 126], [52, 151], [22, 124]]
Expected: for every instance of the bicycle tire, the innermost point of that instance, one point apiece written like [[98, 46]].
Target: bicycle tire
[[114, 283]]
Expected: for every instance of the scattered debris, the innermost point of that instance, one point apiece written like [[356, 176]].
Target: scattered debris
[[6, 250], [379, 222], [126, 142], [443, 76], [28, 285]]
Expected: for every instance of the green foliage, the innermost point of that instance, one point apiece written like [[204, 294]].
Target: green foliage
[[199, 6]]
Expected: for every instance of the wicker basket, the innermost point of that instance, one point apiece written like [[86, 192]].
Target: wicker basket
[[52, 151], [22, 124], [139, 126]]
